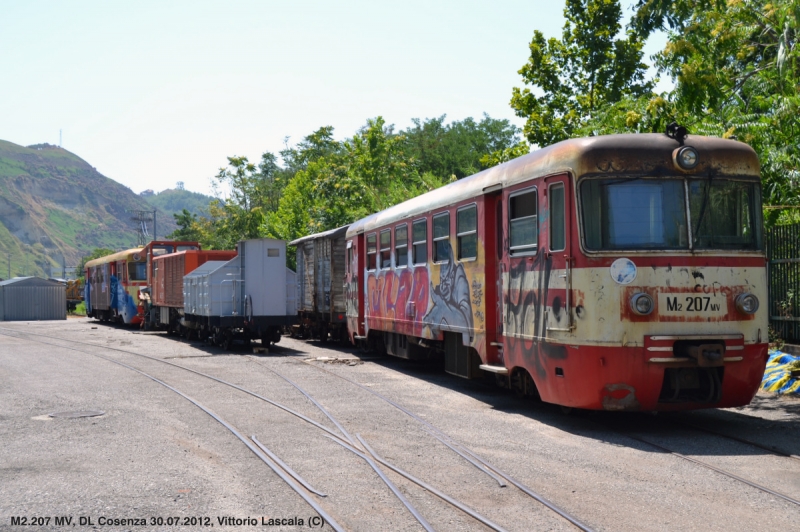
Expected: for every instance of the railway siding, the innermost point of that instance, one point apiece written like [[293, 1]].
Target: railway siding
[[155, 454]]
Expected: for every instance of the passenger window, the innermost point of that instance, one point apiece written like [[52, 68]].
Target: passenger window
[[386, 249], [523, 226], [467, 232], [557, 226], [420, 237], [372, 251], [401, 246], [441, 237]]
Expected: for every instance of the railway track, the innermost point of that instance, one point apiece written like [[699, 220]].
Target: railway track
[[628, 433], [356, 445], [360, 445]]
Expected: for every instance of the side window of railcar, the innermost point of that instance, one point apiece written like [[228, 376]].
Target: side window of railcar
[[386, 249], [372, 251], [467, 232], [557, 219], [401, 246], [420, 243], [523, 227], [441, 237]]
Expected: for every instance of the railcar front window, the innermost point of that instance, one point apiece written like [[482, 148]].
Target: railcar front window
[[137, 271], [724, 214], [641, 213], [634, 214]]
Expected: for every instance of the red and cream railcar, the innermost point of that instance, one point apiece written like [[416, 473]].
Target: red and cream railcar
[[618, 272], [112, 286]]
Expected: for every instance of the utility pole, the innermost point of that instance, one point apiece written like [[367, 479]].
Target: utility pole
[[142, 217]]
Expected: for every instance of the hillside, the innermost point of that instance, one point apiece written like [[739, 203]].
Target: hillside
[[175, 200], [55, 208]]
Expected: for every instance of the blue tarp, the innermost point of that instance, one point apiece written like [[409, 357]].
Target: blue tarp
[[778, 374]]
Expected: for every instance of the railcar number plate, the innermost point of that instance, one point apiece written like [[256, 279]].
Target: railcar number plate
[[682, 304]]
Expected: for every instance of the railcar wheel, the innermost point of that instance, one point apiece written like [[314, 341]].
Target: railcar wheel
[[227, 341], [522, 384]]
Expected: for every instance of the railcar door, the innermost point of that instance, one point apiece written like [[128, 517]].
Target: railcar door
[[558, 258]]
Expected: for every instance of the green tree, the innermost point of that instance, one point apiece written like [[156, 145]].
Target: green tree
[[342, 183], [457, 149], [589, 69], [736, 68], [188, 227]]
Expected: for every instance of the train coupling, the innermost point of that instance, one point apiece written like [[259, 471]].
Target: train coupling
[[707, 355]]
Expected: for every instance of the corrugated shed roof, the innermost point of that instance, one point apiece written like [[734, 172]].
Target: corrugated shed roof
[[29, 281]]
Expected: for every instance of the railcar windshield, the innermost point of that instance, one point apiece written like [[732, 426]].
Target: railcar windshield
[[137, 271], [646, 213]]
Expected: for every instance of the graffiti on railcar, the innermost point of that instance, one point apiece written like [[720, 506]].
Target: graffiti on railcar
[[122, 301], [451, 306], [401, 296]]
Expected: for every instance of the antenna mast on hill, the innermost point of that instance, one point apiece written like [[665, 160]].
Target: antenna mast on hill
[[59, 139], [142, 218]]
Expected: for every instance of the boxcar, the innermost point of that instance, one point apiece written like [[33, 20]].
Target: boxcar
[[618, 272], [320, 285], [242, 299]]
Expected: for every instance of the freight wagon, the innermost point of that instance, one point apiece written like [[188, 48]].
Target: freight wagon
[[243, 299], [320, 285], [164, 306]]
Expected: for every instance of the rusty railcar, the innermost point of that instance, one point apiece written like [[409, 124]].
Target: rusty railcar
[[619, 272], [165, 307], [320, 285]]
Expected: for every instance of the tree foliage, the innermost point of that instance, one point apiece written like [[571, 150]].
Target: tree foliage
[[574, 78], [325, 183], [457, 149], [737, 74]]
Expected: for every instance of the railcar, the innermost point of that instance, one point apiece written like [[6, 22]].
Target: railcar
[[164, 302], [112, 286], [320, 285], [248, 297], [619, 272], [117, 285]]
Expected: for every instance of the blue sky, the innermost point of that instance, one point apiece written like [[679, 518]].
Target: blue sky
[[155, 92]]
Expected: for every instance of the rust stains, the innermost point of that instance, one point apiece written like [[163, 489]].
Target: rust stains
[[620, 396]]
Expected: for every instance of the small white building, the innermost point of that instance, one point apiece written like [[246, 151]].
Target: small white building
[[32, 299]]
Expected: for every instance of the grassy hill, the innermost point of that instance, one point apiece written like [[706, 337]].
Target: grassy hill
[[55, 208], [175, 200]]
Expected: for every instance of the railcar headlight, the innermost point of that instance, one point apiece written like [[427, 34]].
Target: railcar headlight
[[687, 157], [641, 304], [747, 303]]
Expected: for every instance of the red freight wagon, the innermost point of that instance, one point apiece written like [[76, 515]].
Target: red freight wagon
[[166, 284]]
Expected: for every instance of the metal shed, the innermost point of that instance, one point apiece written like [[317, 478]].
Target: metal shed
[[32, 298]]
